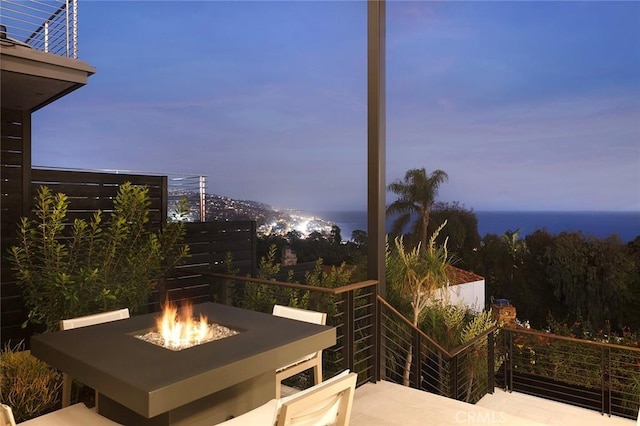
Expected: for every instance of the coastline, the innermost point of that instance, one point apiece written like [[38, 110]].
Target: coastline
[[600, 224]]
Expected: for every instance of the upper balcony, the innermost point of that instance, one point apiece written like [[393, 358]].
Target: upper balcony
[[39, 52]]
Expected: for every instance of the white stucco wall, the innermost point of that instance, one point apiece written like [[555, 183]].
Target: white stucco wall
[[469, 294]]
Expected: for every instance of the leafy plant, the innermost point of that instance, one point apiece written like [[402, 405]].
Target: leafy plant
[[67, 271], [477, 356], [417, 273], [261, 297], [29, 386]]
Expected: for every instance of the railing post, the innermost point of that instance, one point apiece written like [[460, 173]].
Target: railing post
[[416, 367], [381, 342], [224, 292], [164, 201], [66, 23], [609, 380], [74, 17], [348, 328], [490, 363], [203, 190], [376, 352], [605, 365], [46, 37], [602, 381], [453, 370], [254, 248], [508, 380]]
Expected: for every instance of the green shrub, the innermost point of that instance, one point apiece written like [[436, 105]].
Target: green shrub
[[66, 271], [28, 385]]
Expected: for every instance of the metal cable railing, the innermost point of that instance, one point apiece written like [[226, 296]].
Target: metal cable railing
[[369, 331], [193, 188], [49, 26], [351, 309], [414, 359], [589, 374]]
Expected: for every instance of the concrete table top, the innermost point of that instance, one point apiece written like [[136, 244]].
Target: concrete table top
[[151, 380]]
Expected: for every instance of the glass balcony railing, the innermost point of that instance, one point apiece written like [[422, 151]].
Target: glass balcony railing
[[49, 26]]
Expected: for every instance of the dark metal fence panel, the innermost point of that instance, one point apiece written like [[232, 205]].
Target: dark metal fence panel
[[15, 166], [588, 374], [87, 192], [211, 245]]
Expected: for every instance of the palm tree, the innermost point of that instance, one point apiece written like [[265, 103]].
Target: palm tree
[[516, 247], [416, 195]]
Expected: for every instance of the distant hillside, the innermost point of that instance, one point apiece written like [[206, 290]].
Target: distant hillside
[[268, 220], [220, 207], [225, 208]]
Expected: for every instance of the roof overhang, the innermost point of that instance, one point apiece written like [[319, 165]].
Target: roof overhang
[[31, 79]]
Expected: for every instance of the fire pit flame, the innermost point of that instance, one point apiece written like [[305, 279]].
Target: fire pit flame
[[182, 329], [178, 329]]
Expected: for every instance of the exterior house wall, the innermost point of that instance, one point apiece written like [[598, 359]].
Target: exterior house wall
[[469, 294]]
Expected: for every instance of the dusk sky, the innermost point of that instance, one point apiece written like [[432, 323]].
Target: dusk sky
[[526, 106]]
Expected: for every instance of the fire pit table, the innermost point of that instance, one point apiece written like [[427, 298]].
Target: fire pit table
[[143, 384]]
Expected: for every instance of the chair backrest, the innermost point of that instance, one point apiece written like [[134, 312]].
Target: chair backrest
[[300, 314], [6, 416], [86, 321], [327, 403], [94, 319]]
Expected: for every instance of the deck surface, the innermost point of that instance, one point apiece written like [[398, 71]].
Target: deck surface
[[386, 403]]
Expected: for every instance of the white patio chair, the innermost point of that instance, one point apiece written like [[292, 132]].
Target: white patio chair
[[86, 321], [6, 416], [313, 360], [327, 403], [75, 415]]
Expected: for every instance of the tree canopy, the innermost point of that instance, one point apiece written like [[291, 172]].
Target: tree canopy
[[416, 195]]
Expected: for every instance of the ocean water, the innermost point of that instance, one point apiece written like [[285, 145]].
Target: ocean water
[[599, 224]]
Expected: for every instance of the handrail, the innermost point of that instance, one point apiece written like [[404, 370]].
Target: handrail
[[359, 343], [414, 358], [473, 341], [355, 318], [571, 339], [333, 291], [590, 374], [413, 327], [449, 353], [354, 286]]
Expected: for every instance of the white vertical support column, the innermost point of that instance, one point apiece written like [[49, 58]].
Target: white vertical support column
[[46, 36], [74, 26], [67, 27], [376, 129], [203, 190]]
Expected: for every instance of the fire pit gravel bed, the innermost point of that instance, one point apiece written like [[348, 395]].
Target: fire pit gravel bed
[[216, 332]]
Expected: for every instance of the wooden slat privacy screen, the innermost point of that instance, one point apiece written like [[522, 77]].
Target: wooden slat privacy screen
[[87, 192], [209, 242], [15, 168]]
